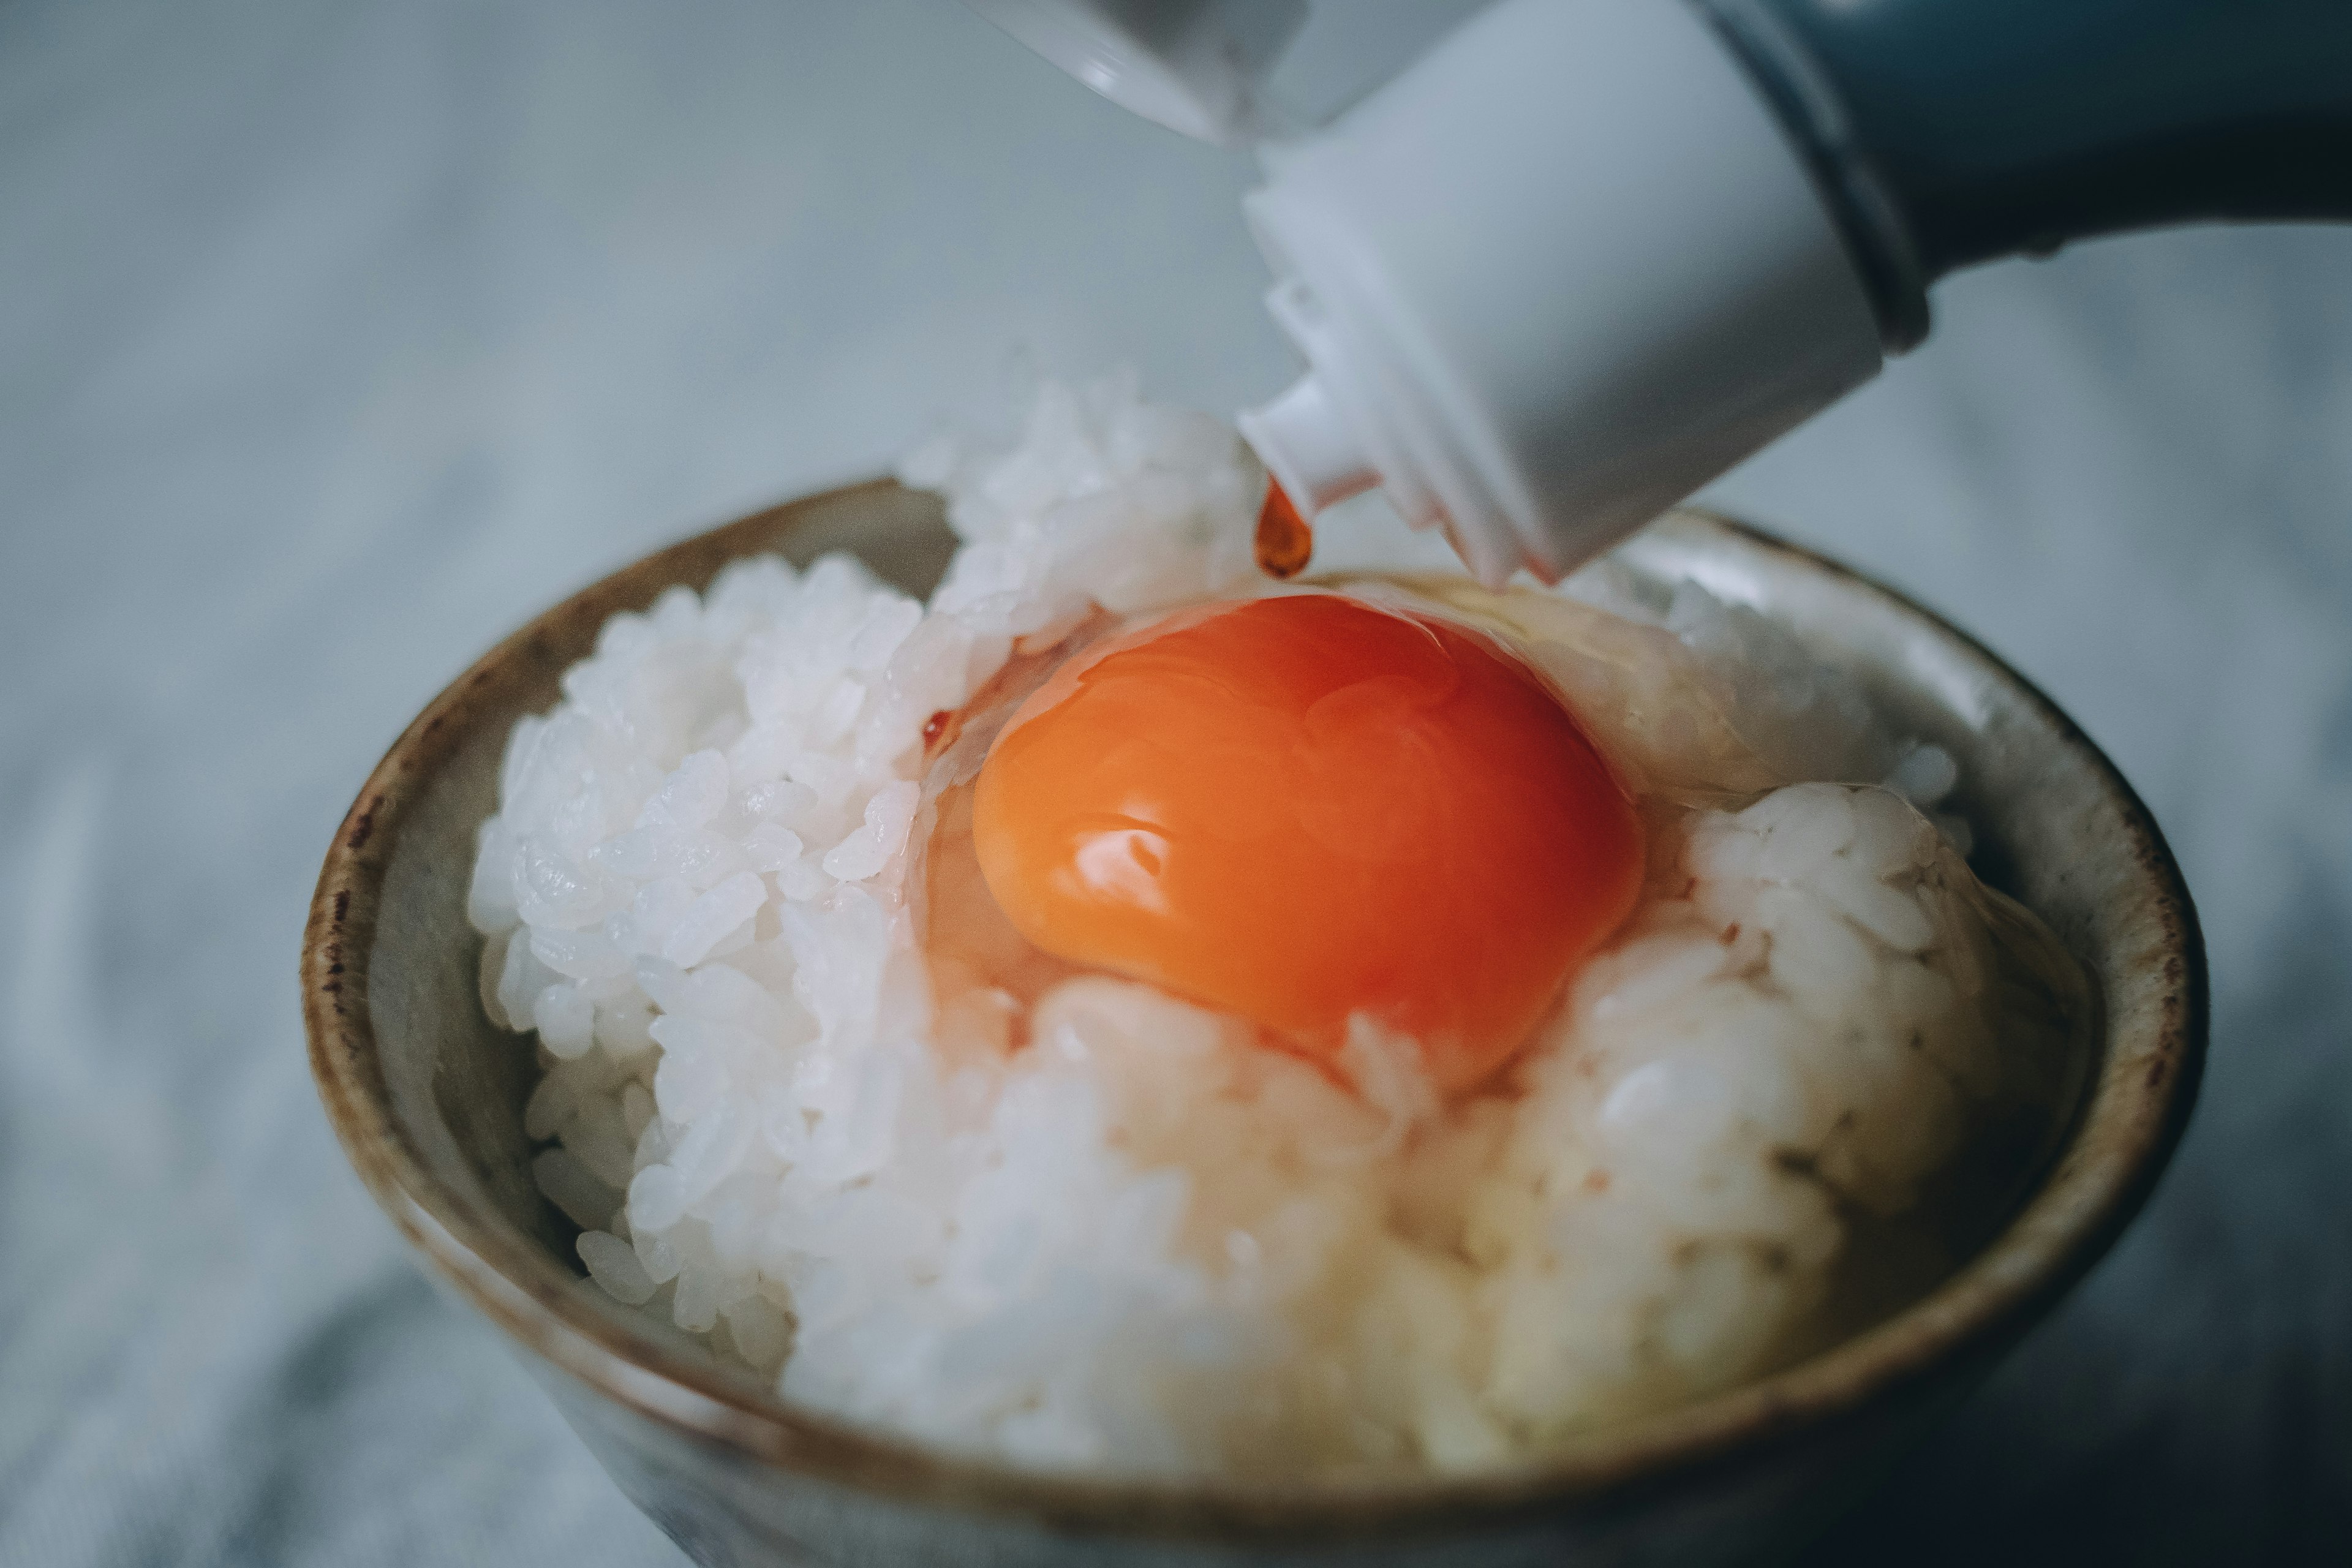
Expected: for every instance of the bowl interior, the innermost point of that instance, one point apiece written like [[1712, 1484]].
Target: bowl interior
[[427, 1094]]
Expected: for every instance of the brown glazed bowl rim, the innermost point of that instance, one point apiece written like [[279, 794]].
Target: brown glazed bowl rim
[[2124, 1133]]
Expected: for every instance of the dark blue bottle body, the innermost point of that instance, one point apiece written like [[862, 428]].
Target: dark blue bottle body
[[1949, 133]]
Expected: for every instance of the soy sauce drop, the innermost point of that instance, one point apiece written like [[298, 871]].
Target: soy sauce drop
[[1284, 539]]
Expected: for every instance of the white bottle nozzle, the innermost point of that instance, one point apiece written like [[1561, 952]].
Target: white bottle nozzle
[[1308, 448], [1194, 66]]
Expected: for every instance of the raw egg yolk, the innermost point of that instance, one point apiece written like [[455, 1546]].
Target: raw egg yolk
[[1302, 807]]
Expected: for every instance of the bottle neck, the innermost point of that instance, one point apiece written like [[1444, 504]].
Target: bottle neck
[[1949, 133]]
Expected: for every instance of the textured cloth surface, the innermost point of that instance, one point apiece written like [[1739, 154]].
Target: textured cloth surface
[[335, 340]]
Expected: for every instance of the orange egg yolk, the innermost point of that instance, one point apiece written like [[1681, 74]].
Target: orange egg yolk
[[1303, 807]]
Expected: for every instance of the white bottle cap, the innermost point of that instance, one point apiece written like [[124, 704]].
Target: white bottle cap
[[1563, 271]]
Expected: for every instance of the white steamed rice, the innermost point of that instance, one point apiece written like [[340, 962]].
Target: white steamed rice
[[1144, 1243]]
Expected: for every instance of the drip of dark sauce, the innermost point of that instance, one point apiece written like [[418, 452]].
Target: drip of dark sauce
[[933, 728], [1284, 539]]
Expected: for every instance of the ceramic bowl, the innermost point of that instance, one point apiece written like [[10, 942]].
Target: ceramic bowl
[[427, 1097]]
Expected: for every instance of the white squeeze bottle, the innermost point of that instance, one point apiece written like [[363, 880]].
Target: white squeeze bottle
[[1583, 255]]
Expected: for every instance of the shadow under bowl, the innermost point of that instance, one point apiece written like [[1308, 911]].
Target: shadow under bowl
[[426, 1096]]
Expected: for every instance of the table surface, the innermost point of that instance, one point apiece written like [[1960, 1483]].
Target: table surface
[[335, 340]]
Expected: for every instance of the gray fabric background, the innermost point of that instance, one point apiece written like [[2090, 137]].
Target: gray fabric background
[[335, 338]]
